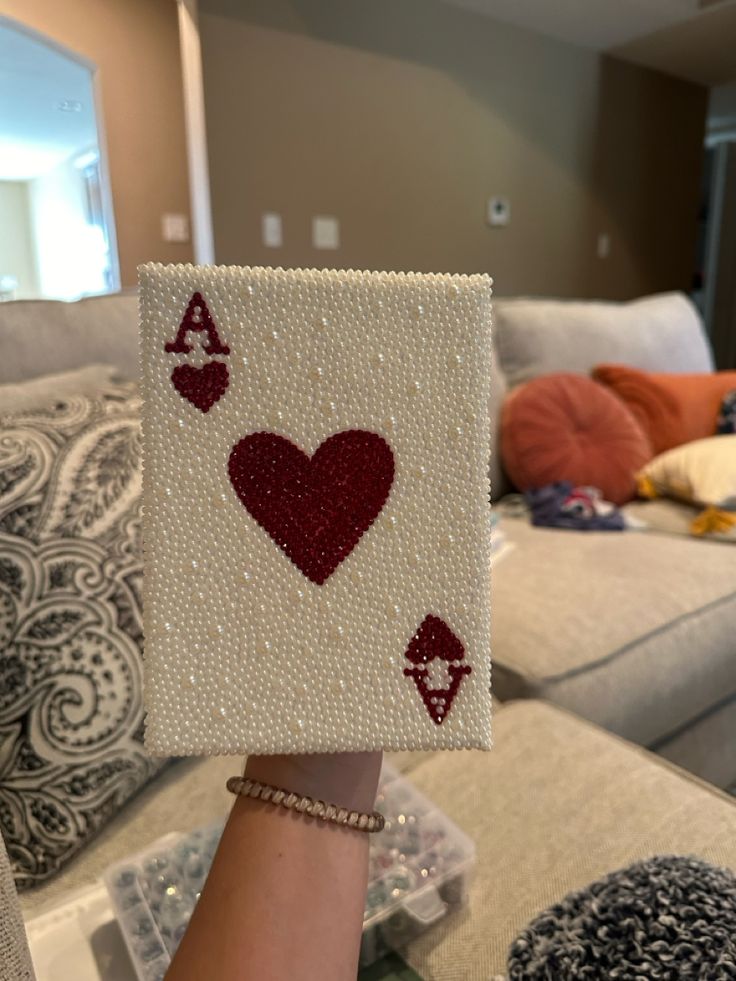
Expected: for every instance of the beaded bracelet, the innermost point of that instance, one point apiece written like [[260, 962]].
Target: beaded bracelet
[[243, 787]]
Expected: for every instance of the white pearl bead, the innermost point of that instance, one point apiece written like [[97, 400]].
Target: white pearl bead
[[244, 653]]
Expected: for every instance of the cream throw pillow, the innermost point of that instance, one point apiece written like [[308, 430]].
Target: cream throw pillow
[[702, 472]]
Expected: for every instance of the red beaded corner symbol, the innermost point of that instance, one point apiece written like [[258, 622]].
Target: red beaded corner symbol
[[201, 386], [206, 385], [197, 318], [434, 639], [315, 508]]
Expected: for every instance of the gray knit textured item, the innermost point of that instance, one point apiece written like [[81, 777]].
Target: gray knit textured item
[[669, 918], [15, 959]]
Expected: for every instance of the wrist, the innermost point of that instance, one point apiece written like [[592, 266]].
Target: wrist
[[347, 779]]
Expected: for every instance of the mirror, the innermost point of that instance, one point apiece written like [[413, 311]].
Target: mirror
[[56, 225]]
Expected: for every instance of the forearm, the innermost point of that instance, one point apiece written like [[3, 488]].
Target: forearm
[[284, 898]]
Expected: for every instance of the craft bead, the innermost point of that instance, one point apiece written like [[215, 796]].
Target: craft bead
[[314, 638]]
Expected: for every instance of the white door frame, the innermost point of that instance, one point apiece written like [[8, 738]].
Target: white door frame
[[106, 187], [196, 132]]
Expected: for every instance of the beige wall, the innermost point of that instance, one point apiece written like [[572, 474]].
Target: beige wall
[[16, 241], [401, 117], [135, 45]]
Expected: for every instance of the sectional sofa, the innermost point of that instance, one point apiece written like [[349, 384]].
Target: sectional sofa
[[608, 649]]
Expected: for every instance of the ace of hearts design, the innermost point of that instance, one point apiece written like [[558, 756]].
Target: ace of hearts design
[[316, 510]]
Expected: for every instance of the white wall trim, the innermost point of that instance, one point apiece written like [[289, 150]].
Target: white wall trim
[[105, 180], [196, 131]]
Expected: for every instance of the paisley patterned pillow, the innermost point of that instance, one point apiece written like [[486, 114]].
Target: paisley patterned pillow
[[71, 713]]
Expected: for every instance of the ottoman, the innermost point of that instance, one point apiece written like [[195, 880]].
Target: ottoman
[[555, 805]]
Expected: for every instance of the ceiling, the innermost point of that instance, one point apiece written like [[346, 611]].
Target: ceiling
[[35, 134], [694, 39], [702, 50], [597, 24]]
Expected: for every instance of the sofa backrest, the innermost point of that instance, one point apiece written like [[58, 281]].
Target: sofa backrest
[[532, 337], [656, 333], [38, 337], [535, 337]]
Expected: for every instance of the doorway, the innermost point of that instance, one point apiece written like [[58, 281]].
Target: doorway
[[57, 235]]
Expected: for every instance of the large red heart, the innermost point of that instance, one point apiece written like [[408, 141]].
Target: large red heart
[[435, 639], [201, 386], [315, 509]]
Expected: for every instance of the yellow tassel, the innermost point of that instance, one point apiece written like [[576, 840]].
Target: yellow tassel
[[645, 486], [713, 521]]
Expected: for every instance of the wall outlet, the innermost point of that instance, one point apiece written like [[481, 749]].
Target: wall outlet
[[174, 227], [498, 212], [603, 246], [325, 232], [271, 230]]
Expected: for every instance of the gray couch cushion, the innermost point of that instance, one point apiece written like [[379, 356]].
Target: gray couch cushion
[[43, 336], [664, 515], [15, 958], [706, 745], [633, 631], [39, 393], [657, 333], [555, 805]]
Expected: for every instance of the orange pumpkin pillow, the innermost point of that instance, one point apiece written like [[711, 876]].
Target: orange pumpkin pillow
[[568, 427], [671, 409]]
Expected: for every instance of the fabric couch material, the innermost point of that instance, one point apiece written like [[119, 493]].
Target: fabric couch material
[[532, 337], [657, 333], [556, 804], [664, 516], [44, 336], [632, 631], [705, 744], [15, 958]]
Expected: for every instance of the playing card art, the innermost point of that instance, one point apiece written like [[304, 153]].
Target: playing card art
[[316, 516]]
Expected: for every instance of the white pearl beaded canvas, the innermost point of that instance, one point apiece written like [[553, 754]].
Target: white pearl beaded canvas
[[316, 510]]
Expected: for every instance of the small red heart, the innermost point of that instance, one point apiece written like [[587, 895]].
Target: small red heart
[[201, 386], [315, 508], [434, 639]]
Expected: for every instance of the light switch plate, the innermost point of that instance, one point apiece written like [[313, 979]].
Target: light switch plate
[[271, 230], [325, 232], [174, 227]]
